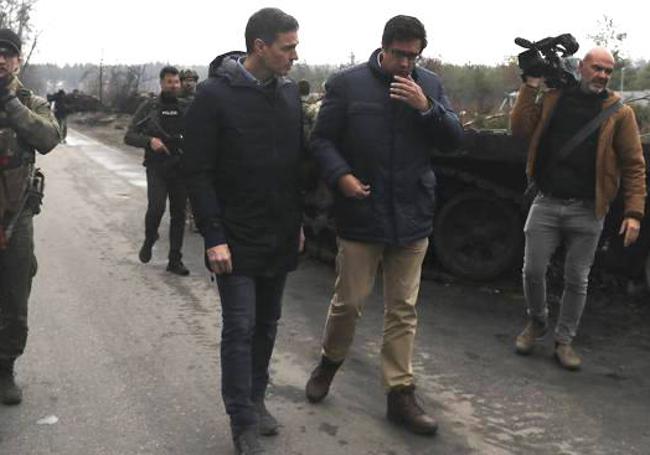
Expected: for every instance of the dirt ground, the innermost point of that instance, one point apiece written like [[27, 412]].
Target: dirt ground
[[488, 398]]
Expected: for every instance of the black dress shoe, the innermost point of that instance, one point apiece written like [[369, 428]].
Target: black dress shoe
[[178, 268], [145, 250], [10, 392], [247, 442], [268, 425]]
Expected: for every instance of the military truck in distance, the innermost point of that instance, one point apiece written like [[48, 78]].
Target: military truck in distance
[[478, 233]]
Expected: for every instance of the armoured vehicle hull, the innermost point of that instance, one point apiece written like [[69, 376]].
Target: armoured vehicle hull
[[478, 233]]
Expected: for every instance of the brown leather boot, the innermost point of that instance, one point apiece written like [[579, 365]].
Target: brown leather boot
[[526, 340], [567, 357], [320, 380], [403, 409]]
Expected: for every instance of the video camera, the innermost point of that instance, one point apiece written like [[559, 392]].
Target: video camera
[[550, 58]]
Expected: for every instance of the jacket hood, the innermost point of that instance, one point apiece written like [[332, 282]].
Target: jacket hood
[[226, 66]]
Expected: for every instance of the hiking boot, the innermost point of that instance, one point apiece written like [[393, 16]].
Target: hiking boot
[[247, 442], [178, 268], [567, 357], [145, 250], [403, 409], [320, 380], [10, 393], [268, 425], [532, 333]]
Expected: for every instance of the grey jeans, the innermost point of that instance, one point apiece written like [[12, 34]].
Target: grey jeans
[[550, 222]]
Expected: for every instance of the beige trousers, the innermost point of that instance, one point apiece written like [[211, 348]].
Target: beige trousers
[[356, 268]]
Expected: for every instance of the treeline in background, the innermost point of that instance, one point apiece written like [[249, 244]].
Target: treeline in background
[[482, 94]]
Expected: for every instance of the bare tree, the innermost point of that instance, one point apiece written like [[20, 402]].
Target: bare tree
[[17, 16], [610, 37], [607, 35]]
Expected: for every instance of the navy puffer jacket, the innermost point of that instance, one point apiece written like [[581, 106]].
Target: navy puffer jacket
[[386, 144], [242, 161]]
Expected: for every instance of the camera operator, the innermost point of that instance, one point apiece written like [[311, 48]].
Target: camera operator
[[576, 186], [157, 127]]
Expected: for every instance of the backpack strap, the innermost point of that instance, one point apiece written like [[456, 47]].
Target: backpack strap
[[584, 133]]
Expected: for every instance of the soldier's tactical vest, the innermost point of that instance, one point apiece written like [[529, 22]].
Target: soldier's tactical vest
[[16, 161], [13, 151], [165, 115]]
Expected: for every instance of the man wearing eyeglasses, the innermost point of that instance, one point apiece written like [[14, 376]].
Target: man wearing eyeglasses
[[372, 140]]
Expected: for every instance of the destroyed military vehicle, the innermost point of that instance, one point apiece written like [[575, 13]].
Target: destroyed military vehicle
[[478, 230]]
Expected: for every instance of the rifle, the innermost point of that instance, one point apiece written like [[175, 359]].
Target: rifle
[[173, 142], [34, 185]]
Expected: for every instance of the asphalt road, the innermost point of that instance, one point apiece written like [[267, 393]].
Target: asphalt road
[[123, 358]]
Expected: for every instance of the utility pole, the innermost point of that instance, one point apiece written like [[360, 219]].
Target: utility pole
[[101, 79], [622, 78]]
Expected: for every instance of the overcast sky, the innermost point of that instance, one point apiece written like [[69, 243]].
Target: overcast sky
[[193, 32]]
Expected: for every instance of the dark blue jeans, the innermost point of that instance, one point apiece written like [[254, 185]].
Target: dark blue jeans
[[251, 308]]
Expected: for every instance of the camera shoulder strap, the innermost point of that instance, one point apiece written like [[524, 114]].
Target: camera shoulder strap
[[584, 133]]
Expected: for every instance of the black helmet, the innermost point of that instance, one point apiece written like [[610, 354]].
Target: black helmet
[[8, 39], [189, 74]]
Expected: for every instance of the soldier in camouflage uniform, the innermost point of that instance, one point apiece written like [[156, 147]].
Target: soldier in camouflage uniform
[[157, 127], [311, 103], [318, 195], [189, 79], [26, 125]]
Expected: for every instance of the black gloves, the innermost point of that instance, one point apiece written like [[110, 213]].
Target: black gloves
[[6, 94]]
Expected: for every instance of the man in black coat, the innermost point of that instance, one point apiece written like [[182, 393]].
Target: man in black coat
[[242, 160], [372, 140]]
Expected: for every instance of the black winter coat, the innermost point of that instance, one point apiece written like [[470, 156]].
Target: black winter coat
[[386, 144], [242, 157]]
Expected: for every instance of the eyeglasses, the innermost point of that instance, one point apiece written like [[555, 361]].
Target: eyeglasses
[[400, 54]]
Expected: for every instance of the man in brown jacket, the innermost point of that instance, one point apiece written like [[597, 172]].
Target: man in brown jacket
[[575, 192]]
